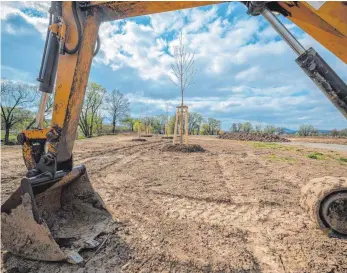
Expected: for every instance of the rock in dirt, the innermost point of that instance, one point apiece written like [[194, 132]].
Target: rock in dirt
[[262, 137], [138, 139], [184, 148]]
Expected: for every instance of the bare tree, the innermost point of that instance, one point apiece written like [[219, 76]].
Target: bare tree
[[16, 98], [117, 106], [89, 114], [182, 73], [183, 69]]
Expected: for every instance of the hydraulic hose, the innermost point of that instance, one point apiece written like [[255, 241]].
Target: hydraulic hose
[[97, 46], [79, 30]]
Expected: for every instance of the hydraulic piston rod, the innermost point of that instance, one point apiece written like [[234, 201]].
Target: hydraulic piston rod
[[283, 31], [333, 87], [41, 111]]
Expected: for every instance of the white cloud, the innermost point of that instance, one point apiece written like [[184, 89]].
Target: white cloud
[[229, 9], [244, 71], [249, 74], [38, 20]]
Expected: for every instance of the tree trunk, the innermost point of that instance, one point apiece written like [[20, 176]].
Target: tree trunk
[[91, 127], [7, 135], [113, 124]]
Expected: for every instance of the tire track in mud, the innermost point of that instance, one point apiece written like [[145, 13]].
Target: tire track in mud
[[263, 222], [95, 154], [131, 153]]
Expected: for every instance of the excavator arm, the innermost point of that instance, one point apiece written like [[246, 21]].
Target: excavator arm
[[71, 42]]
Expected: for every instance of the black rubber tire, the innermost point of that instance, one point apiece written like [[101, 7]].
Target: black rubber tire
[[315, 191]]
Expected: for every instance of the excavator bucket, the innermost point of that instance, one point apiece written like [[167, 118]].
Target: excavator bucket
[[53, 219]]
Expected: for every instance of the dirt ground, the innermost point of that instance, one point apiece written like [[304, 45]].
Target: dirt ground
[[234, 208]]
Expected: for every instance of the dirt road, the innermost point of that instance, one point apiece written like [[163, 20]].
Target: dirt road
[[325, 146], [234, 208]]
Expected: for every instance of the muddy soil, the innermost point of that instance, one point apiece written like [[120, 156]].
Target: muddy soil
[[234, 208], [139, 139], [183, 148]]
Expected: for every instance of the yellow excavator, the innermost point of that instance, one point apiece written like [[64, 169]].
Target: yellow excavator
[[55, 213]]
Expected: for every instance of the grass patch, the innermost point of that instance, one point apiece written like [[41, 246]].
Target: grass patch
[[11, 137], [316, 155], [266, 145], [274, 157], [343, 159], [272, 145]]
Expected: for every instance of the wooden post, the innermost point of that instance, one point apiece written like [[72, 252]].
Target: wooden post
[[175, 130], [139, 129], [181, 123], [186, 124]]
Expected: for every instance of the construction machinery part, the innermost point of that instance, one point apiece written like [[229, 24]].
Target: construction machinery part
[[53, 218], [313, 65], [325, 78], [325, 201]]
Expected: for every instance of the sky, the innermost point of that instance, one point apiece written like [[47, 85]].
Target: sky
[[245, 72]]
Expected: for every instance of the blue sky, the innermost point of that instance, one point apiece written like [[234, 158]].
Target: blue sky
[[245, 71]]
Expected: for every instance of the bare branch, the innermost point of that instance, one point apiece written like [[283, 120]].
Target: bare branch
[[183, 67]]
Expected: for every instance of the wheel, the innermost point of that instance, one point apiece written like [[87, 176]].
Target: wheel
[[325, 201]]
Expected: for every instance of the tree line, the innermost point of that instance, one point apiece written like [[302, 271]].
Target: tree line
[[197, 124], [304, 130], [109, 111], [103, 112]]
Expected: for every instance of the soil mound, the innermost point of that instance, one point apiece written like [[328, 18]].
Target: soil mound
[[262, 137], [138, 139], [183, 148]]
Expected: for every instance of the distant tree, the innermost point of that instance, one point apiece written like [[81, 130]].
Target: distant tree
[[92, 103], [234, 128], [213, 126], [99, 120], [130, 122], [194, 123], [247, 127], [307, 130], [343, 132], [117, 105], [258, 129], [15, 98], [334, 133], [269, 129]]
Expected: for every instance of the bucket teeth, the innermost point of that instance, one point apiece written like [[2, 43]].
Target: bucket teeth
[[54, 219]]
